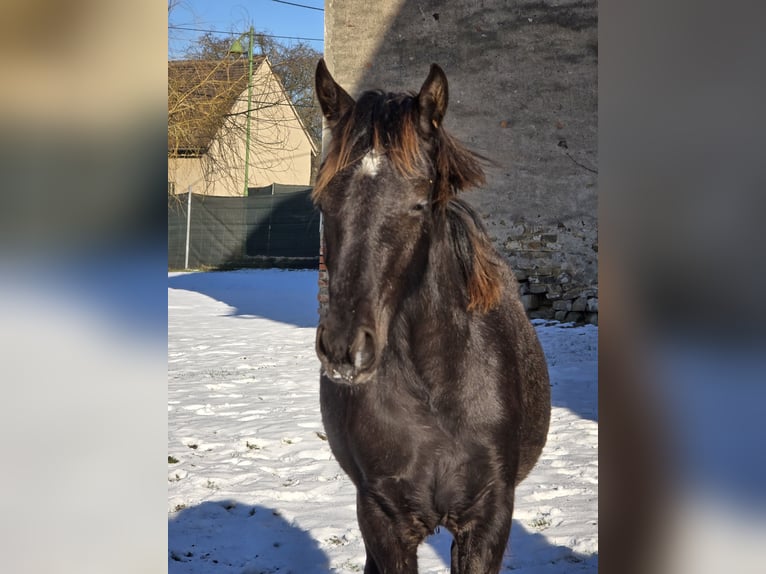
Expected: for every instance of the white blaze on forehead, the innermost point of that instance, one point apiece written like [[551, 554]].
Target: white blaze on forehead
[[370, 164]]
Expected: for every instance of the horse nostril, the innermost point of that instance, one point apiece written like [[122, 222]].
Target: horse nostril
[[361, 353]]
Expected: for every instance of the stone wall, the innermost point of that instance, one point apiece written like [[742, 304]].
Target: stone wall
[[523, 92]]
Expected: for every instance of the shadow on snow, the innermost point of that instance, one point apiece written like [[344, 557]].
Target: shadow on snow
[[228, 536], [572, 387], [526, 553], [275, 294], [581, 399]]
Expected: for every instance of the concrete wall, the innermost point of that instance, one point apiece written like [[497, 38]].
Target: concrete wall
[[523, 92]]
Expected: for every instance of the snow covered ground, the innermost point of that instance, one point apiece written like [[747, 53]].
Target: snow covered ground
[[252, 485]]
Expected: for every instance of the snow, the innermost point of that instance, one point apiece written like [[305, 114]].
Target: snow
[[252, 485]]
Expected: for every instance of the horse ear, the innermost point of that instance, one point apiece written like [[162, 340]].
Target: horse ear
[[333, 99], [433, 98]]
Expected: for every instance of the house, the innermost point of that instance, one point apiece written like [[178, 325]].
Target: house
[[208, 129]]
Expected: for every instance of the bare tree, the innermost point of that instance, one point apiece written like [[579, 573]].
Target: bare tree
[[293, 64], [205, 88], [207, 120]]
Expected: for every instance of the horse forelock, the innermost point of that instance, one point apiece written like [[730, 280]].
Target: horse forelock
[[388, 124]]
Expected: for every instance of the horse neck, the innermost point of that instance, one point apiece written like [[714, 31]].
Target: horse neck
[[436, 306], [431, 331]]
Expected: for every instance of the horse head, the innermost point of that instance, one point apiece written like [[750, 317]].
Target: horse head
[[388, 176]]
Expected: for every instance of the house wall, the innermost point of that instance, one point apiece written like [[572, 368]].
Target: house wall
[[523, 92], [280, 150]]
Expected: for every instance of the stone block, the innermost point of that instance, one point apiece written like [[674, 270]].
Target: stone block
[[592, 305], [573, 317], [541, 313], [517, 230], [560, 315], [579, 304], [579, 291], [545, 279], [544, 268], [530, 301], [591, 318], [562, 305], [552, 294]]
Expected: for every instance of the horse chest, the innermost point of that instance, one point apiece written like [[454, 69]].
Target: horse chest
[[410, 439]]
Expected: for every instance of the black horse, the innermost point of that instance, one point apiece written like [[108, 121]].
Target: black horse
[[434, 389]]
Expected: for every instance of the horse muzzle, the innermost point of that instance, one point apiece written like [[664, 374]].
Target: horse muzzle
[[351, 362]]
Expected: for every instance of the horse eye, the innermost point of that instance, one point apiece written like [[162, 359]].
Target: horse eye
[[420, 205]]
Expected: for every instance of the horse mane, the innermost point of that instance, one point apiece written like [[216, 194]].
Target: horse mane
[[390, 124], [478, 260]]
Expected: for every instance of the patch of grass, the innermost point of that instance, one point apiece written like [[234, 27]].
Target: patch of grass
[[252, 446], [172, 460], [541, 522], [193, 446], [337, 540], [179, 507]]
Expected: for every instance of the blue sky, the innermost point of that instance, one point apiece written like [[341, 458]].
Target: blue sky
[[267, 16]]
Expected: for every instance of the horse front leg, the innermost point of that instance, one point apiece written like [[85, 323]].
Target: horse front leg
[[480, 550], [390, 548]]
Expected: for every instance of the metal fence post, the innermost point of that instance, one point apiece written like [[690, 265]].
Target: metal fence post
[[188, 227]]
